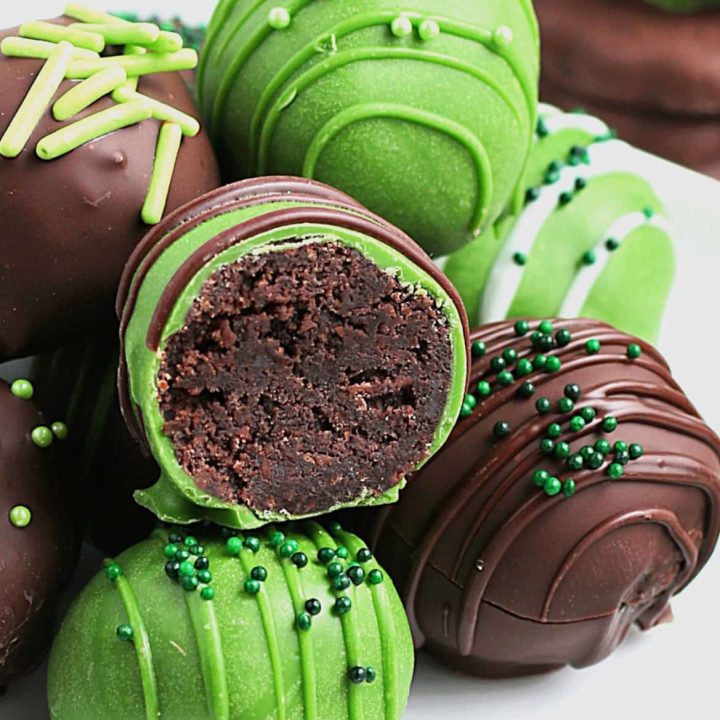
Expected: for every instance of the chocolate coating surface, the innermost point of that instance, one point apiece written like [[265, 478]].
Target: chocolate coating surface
[[35, 559], [501, 578], [69, 225]]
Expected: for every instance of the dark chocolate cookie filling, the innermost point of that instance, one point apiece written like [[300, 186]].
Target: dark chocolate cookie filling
[[304, 378]]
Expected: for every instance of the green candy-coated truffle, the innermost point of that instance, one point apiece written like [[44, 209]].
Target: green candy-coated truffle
[[423, 110], [626, 284], [143, 647]]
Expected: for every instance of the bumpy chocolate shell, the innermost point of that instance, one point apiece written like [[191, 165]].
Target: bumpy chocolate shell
[[576, 497]]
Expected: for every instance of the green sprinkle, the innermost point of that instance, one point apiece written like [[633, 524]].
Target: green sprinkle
[[563, 337], [634, 351], [363, 555], [547, 446], [569, 488], [334, 569], [539, 362], [342, 605], [370, 675], [169, 550], [609, 424], [191, 542], [299, 560], [187, 569], [596, 461], [259, 573], [22, 389], [526, 390], [304, 621], [334, 527], [565, 198], [357, 675], [603, 447], [39, 49], [91, 128], [546, 327], [636, 451], [589, 258], [252, 587], [592, 347], [135, 65], [20, 516], [276, 538], [78, 36], [356, 574], [401, 26], [575, 462], [313, 606], [342, 552], [565, 405], [616, 471], [375, 577], [620, 446], [279, 18], [251, 543], [137, 33], [36, 101], [510, 356], [470, 400], [124, 632], [554, 431], [113, 571], [501, 429], [182, 555], [498, 364], [612, 244], [325, 555], [562, 451], [207, 593], [622, 457], [166, 153], [522, 327], [42, 436], [59, 430], [531, 195], [553, 486], [587, 451], [287, 549], [87, 92], [588, 414], [505, 378], [234, 545], [553, 364], [572, 391], [541, 477], [577, 423], [466, 410], [520, 259], [160, 111], [341, 582], [478, 348], [189, 583], [484, 388], [543, 405]]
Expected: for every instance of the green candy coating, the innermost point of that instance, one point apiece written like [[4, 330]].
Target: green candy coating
[[221, 654], [424, 110]]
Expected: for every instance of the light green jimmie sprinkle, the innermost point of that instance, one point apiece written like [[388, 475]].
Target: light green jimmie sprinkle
[[168, 42], [36, 101], [160, 111], [131, 34], [79, 35], [90, 128], [135, 65], [88, 91], [39, 49], [168, 146], [132, 83]]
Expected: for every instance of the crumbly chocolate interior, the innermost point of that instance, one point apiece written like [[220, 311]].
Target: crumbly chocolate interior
[[304, 378]]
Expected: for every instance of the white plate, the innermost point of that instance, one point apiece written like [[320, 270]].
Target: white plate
[[670, 672]]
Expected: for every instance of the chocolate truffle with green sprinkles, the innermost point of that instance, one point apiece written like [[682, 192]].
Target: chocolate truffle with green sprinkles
[[38, 540], [184, 627], [523, 551], [285, 353]]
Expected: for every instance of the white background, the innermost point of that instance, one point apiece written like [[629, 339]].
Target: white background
[[671, 672]]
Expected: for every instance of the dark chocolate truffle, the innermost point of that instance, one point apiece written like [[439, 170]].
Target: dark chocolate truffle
[[38, 540], [286, 352], [193, 627], [669, 104], [69, 224], [571, 503]]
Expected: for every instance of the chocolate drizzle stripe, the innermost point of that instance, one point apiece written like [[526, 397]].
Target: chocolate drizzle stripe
[[306, 650], [143, 651], [350, 633], [271, 637], [212, 660], [252, 228], [534, 508], [660, 517]]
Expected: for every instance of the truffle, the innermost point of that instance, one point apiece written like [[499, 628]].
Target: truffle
[[70, 223], [684, 6], [285, 353], [38, 540], [423, 111], [576, 497], [669, 104], [591, 241], [292, 623]]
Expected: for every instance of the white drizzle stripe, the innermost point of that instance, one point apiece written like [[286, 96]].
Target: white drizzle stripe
[[588, 274], [575, 121], [506, 275]]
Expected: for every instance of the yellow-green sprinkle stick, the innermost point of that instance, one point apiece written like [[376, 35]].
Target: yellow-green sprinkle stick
[[80, 36], [135, 65], [168, 42], [36, 101], [88, 91], [91, 128], [39, 49], [166, 152], [132, 83], [133, 33], [160, 110]]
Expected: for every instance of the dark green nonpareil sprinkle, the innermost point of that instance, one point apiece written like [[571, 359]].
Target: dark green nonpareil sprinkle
[[622, 457], [551, 177], [342, 605], [543, 405], [565, 198], [252, 587], [535, 337], [589, 258], [592, 347], [288, 549], [334, 569], [370, 675], [554, 431], [478, 348], [552, 486], [204, 576], [313, 606], [484, 388], [547, 446], [466, 410], [588, 414], [276, 538], [304, 621], [603, 447], [341, 582], [169, 550], [539, 362], [554, 364], [569, 487], [234, 545], [563, 337], [363, 555], [124, 632], [541, 129], [113, 571], [357, 675], [546, 327], [326, 555], [334, 527], [177, 538], [545, 343], [497, 364], [191, 542], [501, 429], [523, 368], [636, 451], [612, 244], [522, 327], [572, 391], [182, 555], [190, 584], [342, 552], [562, 451], [172, 569], [575, 462], [620, 446], [577, 423], [207, 594], [299, 560], [505, 378], [356, 575], [634, 351], [526, 390], [540, 477], [520, 259], [587, 451], [596, 461], [259, 573], [565, 405], [609, 424], [470, 400], [615, 471], [580, 184], [187, 569], [531, 195], [252, 543], [510, 355], [375, 577]]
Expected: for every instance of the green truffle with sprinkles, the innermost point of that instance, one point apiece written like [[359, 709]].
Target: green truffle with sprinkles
[[592, 237], [293, 647], [423, 110]]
